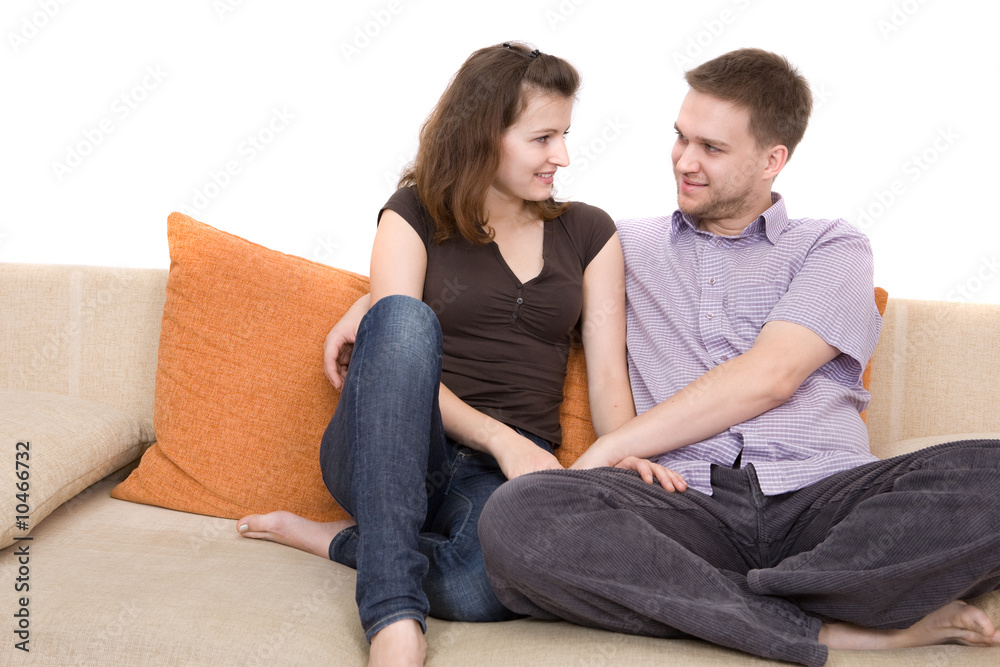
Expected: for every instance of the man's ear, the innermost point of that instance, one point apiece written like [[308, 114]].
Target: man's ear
[[776, 157]]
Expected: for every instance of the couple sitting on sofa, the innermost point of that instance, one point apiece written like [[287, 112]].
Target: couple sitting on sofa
[[747, 334]]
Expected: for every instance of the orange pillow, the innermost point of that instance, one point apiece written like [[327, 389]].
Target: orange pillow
[[578, 431], [881, 299], [241, 398]]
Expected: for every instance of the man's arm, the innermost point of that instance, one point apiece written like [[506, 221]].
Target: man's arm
[[765, 376]]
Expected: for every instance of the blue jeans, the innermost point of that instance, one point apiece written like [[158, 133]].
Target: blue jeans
[[415, 493]]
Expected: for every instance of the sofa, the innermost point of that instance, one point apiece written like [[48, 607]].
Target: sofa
[[94, 579]]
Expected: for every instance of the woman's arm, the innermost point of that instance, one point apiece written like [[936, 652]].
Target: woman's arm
[[399, 264], [399, 261], [516, 454], [611, 402]]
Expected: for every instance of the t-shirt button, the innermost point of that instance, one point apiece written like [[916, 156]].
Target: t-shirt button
[[709, 316], [514, 315], [520, 300], [711, 281], [718, 241]]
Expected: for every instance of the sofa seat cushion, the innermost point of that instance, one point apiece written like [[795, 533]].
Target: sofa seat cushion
[[56, 447], [120, 583], [123, 584]]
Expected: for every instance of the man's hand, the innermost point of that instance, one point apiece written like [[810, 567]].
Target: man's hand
[[523, 456]]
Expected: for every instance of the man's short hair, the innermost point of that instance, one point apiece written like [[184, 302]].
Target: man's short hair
[[764, 83]]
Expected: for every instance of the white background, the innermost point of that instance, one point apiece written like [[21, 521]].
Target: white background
[[116, 113]]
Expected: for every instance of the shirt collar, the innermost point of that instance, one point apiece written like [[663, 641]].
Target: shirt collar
[[772, 222]]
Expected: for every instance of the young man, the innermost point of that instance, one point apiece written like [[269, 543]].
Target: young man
[[747, 336]]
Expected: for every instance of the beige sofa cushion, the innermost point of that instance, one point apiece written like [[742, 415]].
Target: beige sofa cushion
[[66, 444], [123, 584]]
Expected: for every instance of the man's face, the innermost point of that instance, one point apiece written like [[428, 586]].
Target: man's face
[[719, 168]]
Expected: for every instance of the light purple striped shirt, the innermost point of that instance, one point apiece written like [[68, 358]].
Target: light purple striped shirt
[[696, 299]]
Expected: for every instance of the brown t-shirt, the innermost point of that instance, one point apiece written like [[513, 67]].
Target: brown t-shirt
[[506, 342]]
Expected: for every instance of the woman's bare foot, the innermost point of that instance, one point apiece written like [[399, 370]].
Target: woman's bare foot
[[399, 644], [293, 530], [955, 623]]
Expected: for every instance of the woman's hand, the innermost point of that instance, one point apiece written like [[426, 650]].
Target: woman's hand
[[668, 479], [340, 342], [601, 455], [337, 353], [521, 456]]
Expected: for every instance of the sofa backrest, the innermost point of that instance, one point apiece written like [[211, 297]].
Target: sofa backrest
[[93, 332], [935, 371], [83, 331]]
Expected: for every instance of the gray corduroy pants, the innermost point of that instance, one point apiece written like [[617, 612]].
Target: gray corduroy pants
[[881, 545]]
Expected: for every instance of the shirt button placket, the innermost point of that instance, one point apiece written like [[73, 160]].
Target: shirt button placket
[[518, 304], [712, 266]]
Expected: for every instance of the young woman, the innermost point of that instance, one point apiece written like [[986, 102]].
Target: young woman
[[452, 381]]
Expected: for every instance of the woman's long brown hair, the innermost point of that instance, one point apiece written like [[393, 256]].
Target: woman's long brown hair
[[460, 142]]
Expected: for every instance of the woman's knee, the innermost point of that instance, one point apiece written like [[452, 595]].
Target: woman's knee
[[404, 314], [399, 341]]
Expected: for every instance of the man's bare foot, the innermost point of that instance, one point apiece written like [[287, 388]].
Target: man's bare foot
[[955, 623], [293, 530], [399, 644]]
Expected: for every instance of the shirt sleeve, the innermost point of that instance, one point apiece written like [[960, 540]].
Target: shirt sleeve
[[406, 202], [596, 229], [833, 295]]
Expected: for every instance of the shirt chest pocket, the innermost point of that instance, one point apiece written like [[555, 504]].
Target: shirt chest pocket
[[747, 307]]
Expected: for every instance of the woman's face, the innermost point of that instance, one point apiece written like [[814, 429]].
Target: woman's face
[[533, 148]]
